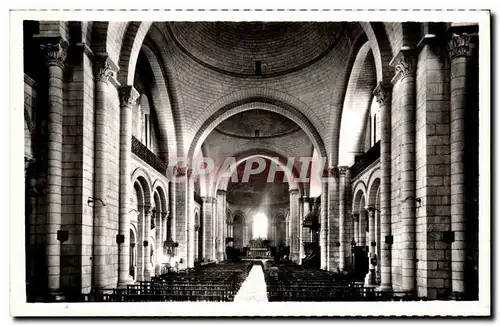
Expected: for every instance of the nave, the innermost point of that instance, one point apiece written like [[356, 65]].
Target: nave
[[155, 152], [258, 280]]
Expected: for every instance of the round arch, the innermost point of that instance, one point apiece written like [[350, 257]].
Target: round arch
[[161, 101], [359, 185], [227, 107], [129, 52], [359, 194], [362, 82], [373, 189], [222, 181], [381, 48], [107, 37], [140, 176], [161, 189]]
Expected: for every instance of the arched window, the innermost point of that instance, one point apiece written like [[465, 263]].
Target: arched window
[[259, 227], [374, 122]]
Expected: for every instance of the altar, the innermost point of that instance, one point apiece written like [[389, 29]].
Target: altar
[[259, 248], [258, 253]]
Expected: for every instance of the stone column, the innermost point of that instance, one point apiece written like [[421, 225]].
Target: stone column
[[355, 218], [148, 266], [287, 230], [221, 221], [165, 225], [180, 213], [333, 219], [159, 242], [405, 65], [301, 229], [344, 241], [245, 233], [463, 70], [362, 228], [190, 225], [104, 69], [140, 244], [207, 227], [378, 244], [55, 56], [128, 98], [383, 95], [214, 229], [294, 226], [370, 279], [306, 232]]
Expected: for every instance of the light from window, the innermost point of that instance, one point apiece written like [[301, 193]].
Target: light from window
[[259, 227]]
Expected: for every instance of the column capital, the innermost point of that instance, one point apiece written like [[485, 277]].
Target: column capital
[[370, 209], [104, 67], [404, 63], [333, 172], [294, 192], [128, 95], [208, 199], [355, 216], [164, 214], [55, 51], [343, 170], [460, 45], [147, 209], [182, 171], [221, 192], [383, 92]]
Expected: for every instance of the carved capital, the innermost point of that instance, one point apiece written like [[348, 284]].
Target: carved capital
[[164, 214], [55, 52], [343, 170], [221, 192], [383, 94], [208, 200], [104, 68], [333, 172], [180, 171], [147, 209], [355, 217], [370, 210], [294, 192], [459, 45], [128, 95], [405, 64]]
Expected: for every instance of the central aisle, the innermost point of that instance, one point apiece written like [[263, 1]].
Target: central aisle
[[254, 287]]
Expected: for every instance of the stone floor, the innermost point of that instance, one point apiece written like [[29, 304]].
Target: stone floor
[[254, 287]]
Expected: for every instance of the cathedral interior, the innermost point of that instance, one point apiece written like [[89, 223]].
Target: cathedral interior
[[339, 158]]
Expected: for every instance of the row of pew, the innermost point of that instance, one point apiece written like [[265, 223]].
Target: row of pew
[[213, 282], [291, 282]]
